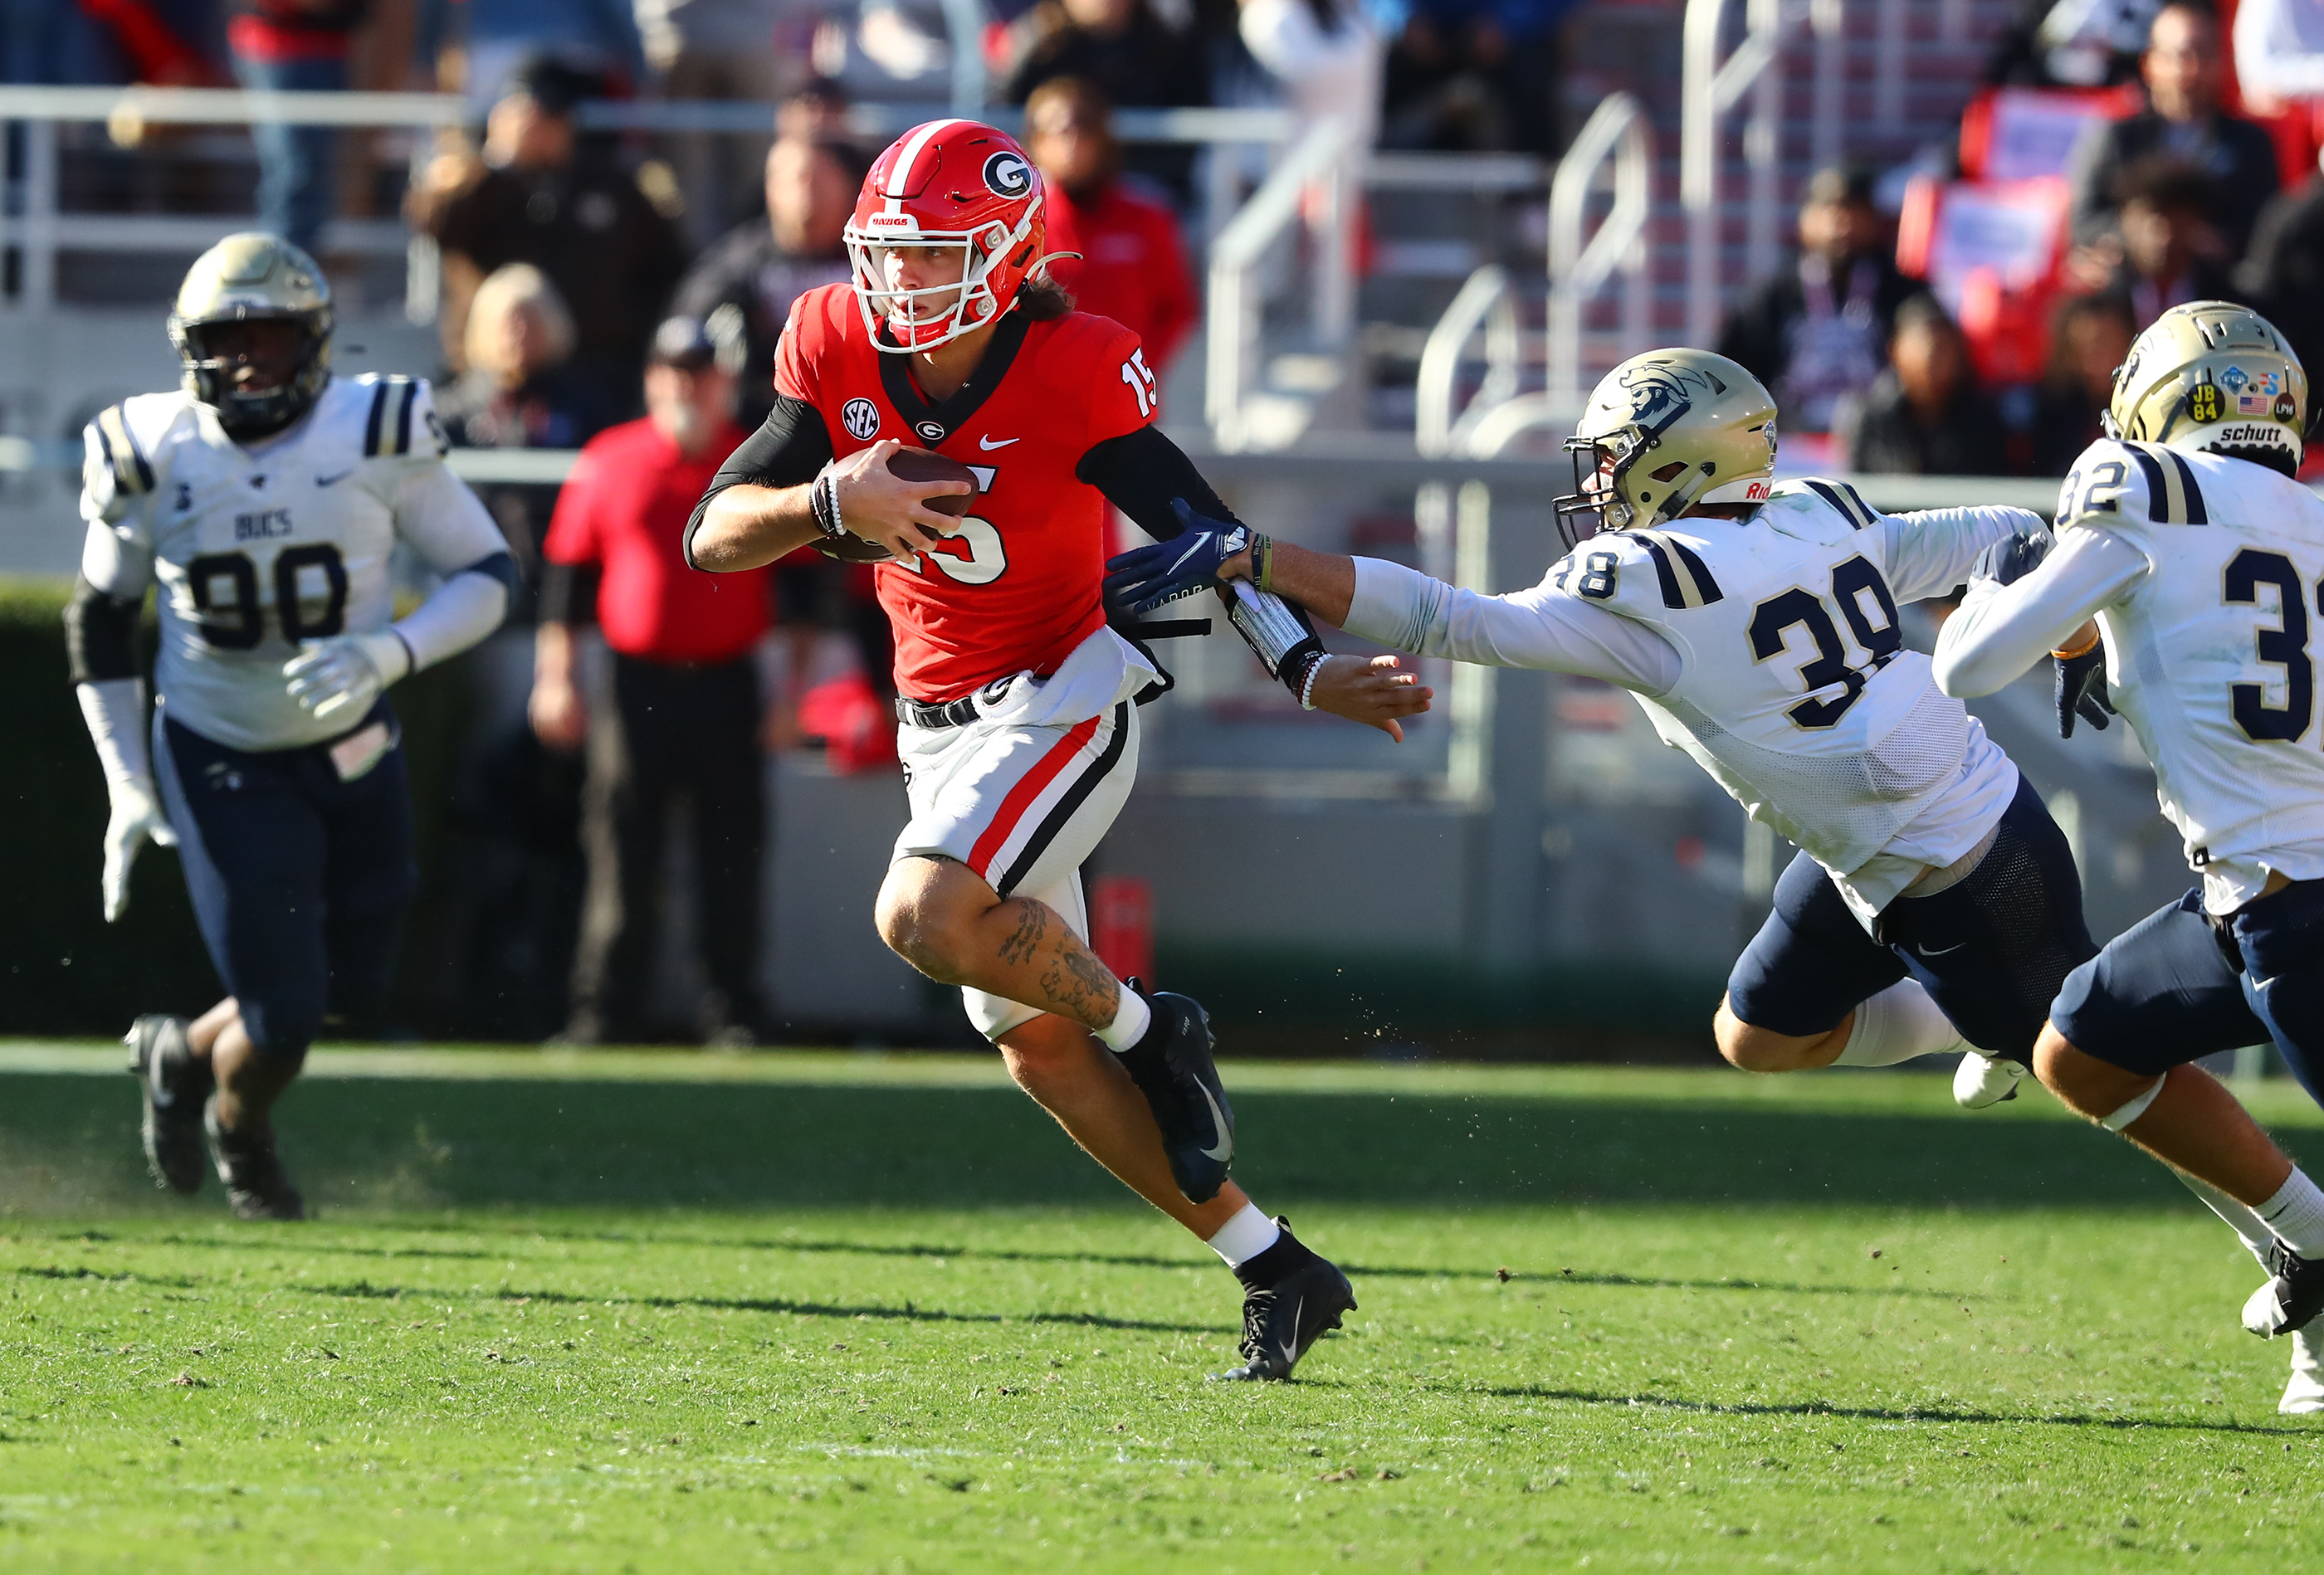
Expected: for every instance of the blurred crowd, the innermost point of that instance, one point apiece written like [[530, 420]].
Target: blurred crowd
[[2200, 181]]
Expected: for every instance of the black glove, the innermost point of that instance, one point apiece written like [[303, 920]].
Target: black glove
[[2082, 689], [1138, 581], [2007, 561]]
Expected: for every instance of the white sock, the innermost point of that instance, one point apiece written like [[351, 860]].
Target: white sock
[[2296, 1215], [1245, 1237], [1896, 1025], [2248, 1227], [1130, 1020]]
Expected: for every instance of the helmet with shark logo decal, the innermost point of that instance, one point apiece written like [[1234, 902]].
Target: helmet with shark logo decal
[[1662, 432]]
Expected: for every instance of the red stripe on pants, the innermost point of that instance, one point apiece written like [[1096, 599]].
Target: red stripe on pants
[[1020, 797]]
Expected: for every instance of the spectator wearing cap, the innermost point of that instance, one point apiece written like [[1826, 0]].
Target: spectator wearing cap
[[2185, 119], [1125, 49], [538, 196], [1816, 333], [294, 46], [1132, 266], [751, 276], [1925, 415], [683, 721]]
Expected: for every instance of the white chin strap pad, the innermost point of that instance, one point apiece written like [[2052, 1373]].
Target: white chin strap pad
[[2134, 1109]]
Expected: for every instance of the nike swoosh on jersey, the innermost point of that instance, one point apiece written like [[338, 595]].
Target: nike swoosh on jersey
[[988, 445], [332, 481], [1225, 1150], [1942, 951]]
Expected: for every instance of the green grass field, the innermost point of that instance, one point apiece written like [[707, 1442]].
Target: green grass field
[[647, 1312]]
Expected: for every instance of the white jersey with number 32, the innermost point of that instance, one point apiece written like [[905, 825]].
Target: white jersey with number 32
[[2211, 652], [256, 548]]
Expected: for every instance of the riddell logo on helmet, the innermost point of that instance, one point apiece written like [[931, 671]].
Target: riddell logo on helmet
[[1756, 493]]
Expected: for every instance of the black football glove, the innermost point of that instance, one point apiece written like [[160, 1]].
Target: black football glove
[[2007, 561], [2082, 689], [1138, 581]]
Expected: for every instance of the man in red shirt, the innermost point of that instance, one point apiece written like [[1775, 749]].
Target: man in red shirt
[[686, 715], [1132, 266], [1020, 736]]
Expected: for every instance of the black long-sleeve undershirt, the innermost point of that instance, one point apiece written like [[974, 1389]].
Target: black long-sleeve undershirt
[[1140, 473]]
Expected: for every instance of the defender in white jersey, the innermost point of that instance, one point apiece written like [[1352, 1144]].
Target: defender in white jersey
[[1933, 906], [265, 500], [2188, 543]]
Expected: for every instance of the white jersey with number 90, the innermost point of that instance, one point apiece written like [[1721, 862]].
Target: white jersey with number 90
[[258, 547]]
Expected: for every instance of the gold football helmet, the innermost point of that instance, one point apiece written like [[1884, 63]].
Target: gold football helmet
[[1664, 432], [246, 279], [2216, 378]]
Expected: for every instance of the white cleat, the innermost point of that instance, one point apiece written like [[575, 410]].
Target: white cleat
[[2304, 1394], [1983, 1080]]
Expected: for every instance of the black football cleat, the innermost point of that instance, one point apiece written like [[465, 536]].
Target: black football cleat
[[173, 1083], [255, 1180], [1172, 1066], [1290, 1309], [2292, 1298]]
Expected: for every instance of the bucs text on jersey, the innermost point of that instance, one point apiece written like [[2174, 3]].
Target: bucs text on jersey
[[258, 547], [1778, 664], [1015, 587]]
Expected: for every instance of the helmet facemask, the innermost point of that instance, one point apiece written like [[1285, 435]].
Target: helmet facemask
[[212, 349], [927, 316]]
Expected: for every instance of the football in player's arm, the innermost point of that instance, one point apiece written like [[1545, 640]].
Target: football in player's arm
[[264, 500], [1758, 625], [2185, 560], [1018, 686]]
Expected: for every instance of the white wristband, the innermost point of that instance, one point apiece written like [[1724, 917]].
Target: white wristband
[[1307, 684]]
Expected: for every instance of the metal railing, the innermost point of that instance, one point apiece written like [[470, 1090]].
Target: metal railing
[[1487, 300], [1709, 87], [35, 225], [1619, 132], [1318, 175]]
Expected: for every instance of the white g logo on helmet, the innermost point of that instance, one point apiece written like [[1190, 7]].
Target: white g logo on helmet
[[1007, 175]]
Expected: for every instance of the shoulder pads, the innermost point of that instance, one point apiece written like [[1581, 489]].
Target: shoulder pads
[[1844, 500], [132, 473], [2116, 482], [398, 416]]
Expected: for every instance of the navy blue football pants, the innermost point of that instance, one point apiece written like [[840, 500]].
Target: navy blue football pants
[[1991, 949], [299, 879], [2179, 984]]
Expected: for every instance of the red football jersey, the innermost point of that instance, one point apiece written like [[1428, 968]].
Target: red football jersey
[[1016, 588]]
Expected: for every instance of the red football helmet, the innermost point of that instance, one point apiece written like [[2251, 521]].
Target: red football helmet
[[950, 183]]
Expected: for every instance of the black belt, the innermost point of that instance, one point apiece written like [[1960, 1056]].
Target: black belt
[[957, 712]]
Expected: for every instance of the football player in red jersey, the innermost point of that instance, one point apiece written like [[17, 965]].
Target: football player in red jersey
[[1017, 700]]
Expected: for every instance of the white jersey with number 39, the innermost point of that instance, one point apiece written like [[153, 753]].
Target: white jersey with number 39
[[1796, 691], [2210, 649], [258, 547]]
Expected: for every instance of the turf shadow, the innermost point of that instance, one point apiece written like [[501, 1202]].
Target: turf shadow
[[409, 1144], [1817, 1408], [910, 1311]]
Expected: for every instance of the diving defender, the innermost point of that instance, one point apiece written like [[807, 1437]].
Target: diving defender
[[1935, 907]]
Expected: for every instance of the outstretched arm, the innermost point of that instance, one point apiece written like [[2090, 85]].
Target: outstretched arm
[[1394, 606]]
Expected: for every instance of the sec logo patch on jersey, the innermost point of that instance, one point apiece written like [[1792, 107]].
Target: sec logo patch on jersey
[[860, 417]]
